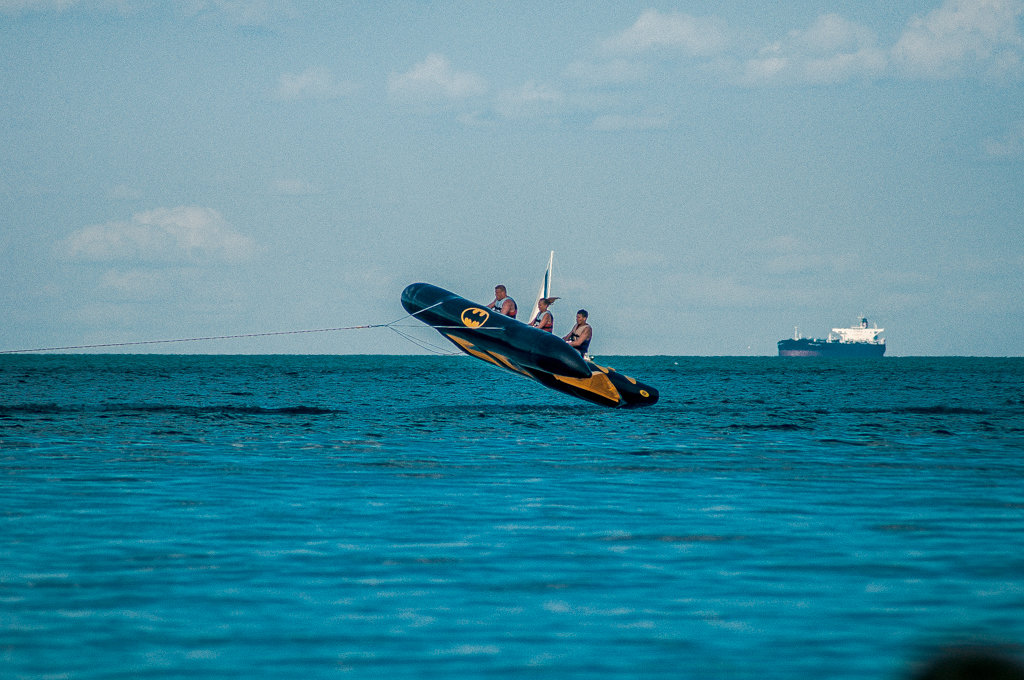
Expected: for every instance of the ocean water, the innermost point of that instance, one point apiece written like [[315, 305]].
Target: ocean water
[[410, 517]]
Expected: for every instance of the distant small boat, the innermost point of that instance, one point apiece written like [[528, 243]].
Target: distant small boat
[[856, 341]]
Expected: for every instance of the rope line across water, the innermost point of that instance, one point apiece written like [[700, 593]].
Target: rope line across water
[[392, 325]]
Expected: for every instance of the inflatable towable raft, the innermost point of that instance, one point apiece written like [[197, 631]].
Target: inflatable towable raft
[[522, 349]]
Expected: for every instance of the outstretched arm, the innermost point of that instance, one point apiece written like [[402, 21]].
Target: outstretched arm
[[585, 335]]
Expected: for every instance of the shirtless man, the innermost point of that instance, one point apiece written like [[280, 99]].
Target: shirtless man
[[580, 335], [502, 303]]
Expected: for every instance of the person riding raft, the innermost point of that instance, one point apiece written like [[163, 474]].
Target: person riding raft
[[502, 303], [580, 335], [545, 320]]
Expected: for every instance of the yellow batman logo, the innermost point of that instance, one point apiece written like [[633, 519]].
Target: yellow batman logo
[[474, 317]]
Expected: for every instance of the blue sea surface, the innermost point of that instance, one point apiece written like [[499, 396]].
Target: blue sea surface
[[170, 516]]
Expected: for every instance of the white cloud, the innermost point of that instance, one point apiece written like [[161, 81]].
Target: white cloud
[[435, 78], [528, 100], [831, 50], [963, 37], [1010, 145], [672, 30], [183, 234], [313, 83], [831, 34], [960, 38], [764, 69]]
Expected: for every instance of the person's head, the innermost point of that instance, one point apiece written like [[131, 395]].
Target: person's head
[[500, 291], [581, 316], [544, 303]]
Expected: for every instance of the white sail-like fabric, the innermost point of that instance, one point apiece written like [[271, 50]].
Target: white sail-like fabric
[[545, 288]]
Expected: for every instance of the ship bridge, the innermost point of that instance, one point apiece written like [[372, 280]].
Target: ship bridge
[[861, 333]]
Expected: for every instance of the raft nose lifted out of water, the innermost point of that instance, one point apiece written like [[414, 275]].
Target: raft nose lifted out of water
[[514, 346]]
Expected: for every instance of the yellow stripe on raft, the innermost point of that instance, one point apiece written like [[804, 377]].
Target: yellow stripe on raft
[[508, 364], [493, 357], [597, 383], [471, 349]]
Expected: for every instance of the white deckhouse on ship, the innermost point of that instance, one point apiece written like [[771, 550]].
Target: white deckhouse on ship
[[856, 341]]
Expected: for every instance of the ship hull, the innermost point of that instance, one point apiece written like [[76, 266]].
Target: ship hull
[[806, 347]]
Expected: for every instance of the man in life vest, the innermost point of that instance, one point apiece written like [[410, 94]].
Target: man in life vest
[[502, 303], [580, 335], [544, 321]]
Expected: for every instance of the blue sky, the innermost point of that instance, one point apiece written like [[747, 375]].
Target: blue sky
[[709, 175]]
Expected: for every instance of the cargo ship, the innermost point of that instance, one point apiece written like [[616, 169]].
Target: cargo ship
[[857, 341]]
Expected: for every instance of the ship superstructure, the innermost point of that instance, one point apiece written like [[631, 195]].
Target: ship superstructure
[[860, 340]]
